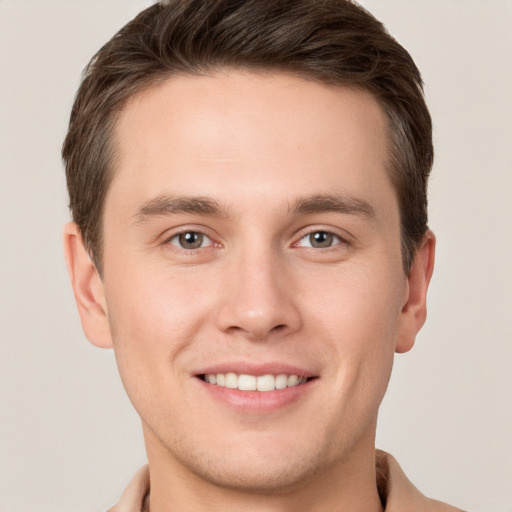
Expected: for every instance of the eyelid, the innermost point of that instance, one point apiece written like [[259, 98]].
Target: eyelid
[[343, 236], [176, 236], [175, 232]]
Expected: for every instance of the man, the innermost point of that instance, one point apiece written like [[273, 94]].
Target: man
[[248, 187]]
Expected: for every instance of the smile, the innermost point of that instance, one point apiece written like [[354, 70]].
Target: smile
[[246, 382]]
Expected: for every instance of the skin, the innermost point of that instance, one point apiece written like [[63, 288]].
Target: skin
[[256, 291]]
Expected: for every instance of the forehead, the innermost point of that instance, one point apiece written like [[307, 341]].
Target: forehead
[[238, 132]]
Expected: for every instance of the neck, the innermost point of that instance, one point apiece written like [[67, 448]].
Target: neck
[[347, 485]]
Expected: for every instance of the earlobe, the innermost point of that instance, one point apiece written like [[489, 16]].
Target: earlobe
[[414, 311], [87, 288]]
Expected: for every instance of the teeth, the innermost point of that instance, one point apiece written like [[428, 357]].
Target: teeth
[[253, 383], [231, 381], [266, 383], [292, 380], [281, 381], [247, 382]]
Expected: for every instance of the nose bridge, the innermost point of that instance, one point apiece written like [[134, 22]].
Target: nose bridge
[[258, 301]]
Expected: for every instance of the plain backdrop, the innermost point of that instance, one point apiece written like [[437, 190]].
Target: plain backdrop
[[69, 439]]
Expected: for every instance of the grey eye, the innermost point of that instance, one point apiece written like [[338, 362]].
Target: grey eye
[[321, 239], [189, 240]]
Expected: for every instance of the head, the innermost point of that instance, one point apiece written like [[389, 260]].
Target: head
[[249, 180], [334, 42]]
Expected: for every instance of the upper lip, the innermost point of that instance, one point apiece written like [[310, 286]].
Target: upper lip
[[256, 369]]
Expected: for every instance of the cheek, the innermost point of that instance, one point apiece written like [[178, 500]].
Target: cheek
[[359, 314], [359, 303], [146, 303], [153, 316]]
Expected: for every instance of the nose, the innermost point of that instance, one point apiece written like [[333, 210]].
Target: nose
[[259, 301]]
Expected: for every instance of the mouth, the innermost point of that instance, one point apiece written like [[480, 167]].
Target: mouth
[[255, 387], [261, 383]]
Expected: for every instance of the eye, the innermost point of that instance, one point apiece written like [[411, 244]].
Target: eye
[[319, 240], [190, 240]]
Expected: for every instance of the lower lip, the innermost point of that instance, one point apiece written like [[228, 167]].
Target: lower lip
[[258, 402]]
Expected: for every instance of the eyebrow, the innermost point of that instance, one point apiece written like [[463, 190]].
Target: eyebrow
[[345, 204], [319, 203], [168, 205]]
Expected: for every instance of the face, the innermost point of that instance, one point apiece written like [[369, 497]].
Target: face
[[253, 281]]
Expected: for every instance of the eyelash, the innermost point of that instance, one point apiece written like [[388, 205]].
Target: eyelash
[[176, 236], [335, 239], [331, 235]]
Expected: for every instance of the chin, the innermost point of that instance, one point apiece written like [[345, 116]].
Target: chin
[[271, 475], [257, 463]]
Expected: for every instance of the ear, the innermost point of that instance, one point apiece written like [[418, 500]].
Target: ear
[[87, 288], [414, 310]]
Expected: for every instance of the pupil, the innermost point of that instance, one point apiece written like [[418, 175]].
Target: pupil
[[191, 240], [321, 239]]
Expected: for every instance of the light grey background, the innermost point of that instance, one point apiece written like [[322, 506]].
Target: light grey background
[[69, 439]]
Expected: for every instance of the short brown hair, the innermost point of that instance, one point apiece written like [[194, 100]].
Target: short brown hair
[[330, 41]]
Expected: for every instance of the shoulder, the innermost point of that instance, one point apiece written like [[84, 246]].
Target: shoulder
[[135, 496], [399, 493]]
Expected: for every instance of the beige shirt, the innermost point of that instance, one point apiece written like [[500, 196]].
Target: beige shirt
[[396, 491]]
